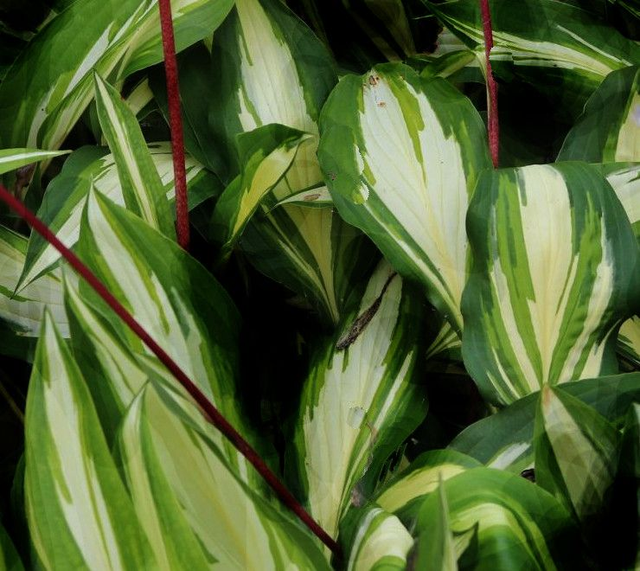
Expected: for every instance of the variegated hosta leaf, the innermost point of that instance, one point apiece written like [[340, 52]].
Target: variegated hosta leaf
[[185, 491], [554, 274], [66, 196], [624, 178], [23, 311], [435, 549], [269, 68], [102, 354], [608, 130], [265, 155], [559, 45], [11, 159], [405, 493], [142, 189], [361, 399], [79, 513], [172, 296], [375, 539], [629, 340], [50, 85], [401, 156], [576, 452], [519, 525], [505, 440], [318, 197], [446, 340], [9, 558]]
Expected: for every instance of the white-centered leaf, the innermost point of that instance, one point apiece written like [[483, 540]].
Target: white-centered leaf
[[401, 156], [78, 510], [11, 159], [555, 272], [360, 400]]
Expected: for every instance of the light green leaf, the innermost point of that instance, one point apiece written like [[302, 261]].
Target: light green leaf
[[435, 549], [519, 525], [629, 340], [361, 399], [608, 130], [11, 159], [554, 274], [23, 311], [576, 452], [375, 540], [79, 513], [545, 42], [401, 156], [172, 296], [266, 154], [269, 68], [50, 85], [405, 493], [624, 178], [9, 558], [66, 196], [505, 440], [185, 489], [142, 189]]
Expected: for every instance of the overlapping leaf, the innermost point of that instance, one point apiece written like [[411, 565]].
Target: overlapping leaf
[[11, 159], [23, 311], [268, 68], [190, 500], [9, 558], [265, 155], [555, 272], [142, 189], [48, 88], [361, 399], [66, 196], [505, 440], [71, 478], [548, 43], [608, 130], [575, 452], [170, 294], [375, 539], [401, 156], [519, 526], [629, 340]]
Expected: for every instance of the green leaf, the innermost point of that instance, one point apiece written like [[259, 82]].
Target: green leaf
[[66, 196], [79, 512], [101, 354], [11, 159], [401, 156], [142, 189], [607, 131], [404, 494], [172, 296], [50, 85], [269, 68], [435, 549], [576, 452], [375, 540], [519, 526], [505, 440], [9, 558], [316, 197], [554, 274], [361, 399], [624, 178], [191, 501], [23, 311], [556, 47], [266, 154]]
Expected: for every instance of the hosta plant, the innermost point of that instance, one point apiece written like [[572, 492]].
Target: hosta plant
[[394, 341]]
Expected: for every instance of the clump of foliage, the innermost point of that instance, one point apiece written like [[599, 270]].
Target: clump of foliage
[[441, 359]]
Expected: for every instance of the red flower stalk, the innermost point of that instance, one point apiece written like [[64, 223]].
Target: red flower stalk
[[492, 86], [175, 123]]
